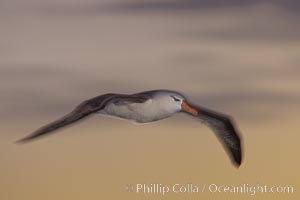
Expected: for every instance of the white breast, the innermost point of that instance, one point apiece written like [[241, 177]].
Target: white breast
[[140, 112]]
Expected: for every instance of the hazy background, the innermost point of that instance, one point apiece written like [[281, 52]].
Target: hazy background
[[239, 57]]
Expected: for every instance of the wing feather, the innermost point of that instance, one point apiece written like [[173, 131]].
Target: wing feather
[[223, 126], [81, 111]]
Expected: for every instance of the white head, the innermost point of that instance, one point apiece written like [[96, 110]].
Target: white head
[[173, 102]]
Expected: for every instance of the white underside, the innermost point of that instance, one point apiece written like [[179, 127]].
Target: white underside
[[145, 112]]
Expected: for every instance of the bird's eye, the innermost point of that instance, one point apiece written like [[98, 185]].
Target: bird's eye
[[175, 99]]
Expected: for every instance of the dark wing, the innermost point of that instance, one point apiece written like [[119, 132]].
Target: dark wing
[[82, 110], [223, 127]]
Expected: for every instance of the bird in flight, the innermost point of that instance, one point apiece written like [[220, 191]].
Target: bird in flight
[[146, 107]]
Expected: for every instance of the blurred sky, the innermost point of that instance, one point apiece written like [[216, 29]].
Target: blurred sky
[[239, 57]]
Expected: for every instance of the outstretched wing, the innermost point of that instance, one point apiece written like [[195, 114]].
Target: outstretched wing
[[223, 127], [82, 110]]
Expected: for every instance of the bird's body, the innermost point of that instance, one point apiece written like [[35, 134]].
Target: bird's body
[[154, 108], [146, 107], [134, 111]]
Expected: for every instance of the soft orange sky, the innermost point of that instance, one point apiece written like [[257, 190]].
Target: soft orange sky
[[238, 58]]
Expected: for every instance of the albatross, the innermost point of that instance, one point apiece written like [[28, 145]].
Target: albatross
[[146, 107]]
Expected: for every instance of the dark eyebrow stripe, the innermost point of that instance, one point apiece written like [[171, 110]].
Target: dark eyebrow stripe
[[176, 99]]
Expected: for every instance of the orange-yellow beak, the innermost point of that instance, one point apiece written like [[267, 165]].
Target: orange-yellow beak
[[187, 108]]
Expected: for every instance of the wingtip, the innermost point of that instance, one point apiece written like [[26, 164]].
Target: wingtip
[[237, 164], [20, 142], [237, 161], [23, 140]]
